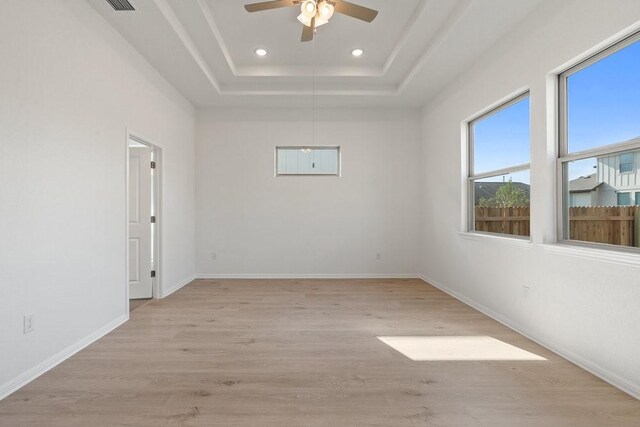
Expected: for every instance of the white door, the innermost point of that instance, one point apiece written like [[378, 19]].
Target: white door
[[140, 264]]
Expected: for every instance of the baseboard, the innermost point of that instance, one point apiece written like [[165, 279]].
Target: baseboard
[[178, 285], [307, 276], [605, 375], [33, 373]]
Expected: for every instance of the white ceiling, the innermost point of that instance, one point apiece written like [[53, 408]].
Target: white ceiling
[[205, 48]]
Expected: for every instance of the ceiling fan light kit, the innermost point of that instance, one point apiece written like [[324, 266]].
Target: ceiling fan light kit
[[325, 10], [314, 13], [308, 8]]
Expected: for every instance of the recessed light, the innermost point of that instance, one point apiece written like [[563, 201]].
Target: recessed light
[[357, 52], [261, 52]]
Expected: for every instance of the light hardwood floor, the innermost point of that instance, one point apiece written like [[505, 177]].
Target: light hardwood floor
[[305, 353], [135, 304]]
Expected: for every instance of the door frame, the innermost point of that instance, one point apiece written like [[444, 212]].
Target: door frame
[[156, 153]]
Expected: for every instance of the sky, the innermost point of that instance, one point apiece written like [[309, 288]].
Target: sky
[[603, 108]]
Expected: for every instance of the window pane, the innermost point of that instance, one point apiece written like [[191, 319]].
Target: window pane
[[626, 162], [603, 101], [637, 198], [501, 139], [501, 204], [599, 200], [308, 160], [624, 199]]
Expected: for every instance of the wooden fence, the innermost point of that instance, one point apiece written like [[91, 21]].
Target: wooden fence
[[615, 225], [514, 220]]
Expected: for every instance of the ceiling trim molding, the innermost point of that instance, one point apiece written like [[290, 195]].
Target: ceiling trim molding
[[389, 90], [417, 13], [435, 41], [230, 90], [259, 71], [208, 16], [308, 71], [182, 34]]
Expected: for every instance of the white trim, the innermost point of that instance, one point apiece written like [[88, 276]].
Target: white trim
[[307, 276], [25, 378], [521, 241], [188, 43], [600, 372], [435, 41], [177, 286], [499, 172], [406, 32], [590, 253]]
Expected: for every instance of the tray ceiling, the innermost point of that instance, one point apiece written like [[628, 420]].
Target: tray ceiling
[[206, 49]]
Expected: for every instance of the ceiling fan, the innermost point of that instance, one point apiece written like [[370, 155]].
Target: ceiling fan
[[315, 13]]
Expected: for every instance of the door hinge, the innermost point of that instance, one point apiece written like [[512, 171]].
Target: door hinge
[[153, 165], [153, 273], [153, 219]]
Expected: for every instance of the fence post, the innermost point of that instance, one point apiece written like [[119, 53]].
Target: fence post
[[636, 228]]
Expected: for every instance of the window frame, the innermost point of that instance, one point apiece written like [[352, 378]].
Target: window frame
[[308, 147], [564, 157], [472, 177]]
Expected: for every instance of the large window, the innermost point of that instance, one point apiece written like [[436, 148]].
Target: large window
[[307, 161], [499, 183], [600, 148]]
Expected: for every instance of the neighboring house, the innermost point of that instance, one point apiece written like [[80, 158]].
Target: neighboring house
[[488, 190], [588, 191], [622, 172], [615, 183]]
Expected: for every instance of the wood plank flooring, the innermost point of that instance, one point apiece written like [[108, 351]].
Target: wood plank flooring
[[137, 303], [305, 353]]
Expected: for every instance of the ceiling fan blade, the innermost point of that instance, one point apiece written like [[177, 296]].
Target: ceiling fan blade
[[307, 32], [355, 11], [266, 5]]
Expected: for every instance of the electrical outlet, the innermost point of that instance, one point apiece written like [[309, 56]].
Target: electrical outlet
[[378, 256], [214, 256], [29, 323], [526, 292]]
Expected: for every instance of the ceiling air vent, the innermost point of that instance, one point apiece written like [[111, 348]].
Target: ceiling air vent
[[120, 5]]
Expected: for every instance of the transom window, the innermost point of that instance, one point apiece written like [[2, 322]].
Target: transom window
[[499, 182], [600, 148], [308, 161]]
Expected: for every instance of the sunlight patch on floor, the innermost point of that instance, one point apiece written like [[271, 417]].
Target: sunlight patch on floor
[[458, 348]]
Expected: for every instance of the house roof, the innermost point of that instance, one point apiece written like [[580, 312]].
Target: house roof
[[584, 184], [489, 189]]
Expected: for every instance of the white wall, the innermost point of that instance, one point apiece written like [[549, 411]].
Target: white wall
[[258, 224], [581, 304], [69, 88]]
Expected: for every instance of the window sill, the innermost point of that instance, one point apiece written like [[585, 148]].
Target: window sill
[[607, 255], [522, 242]]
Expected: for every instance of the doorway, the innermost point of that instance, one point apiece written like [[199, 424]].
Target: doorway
[[143, 221]]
